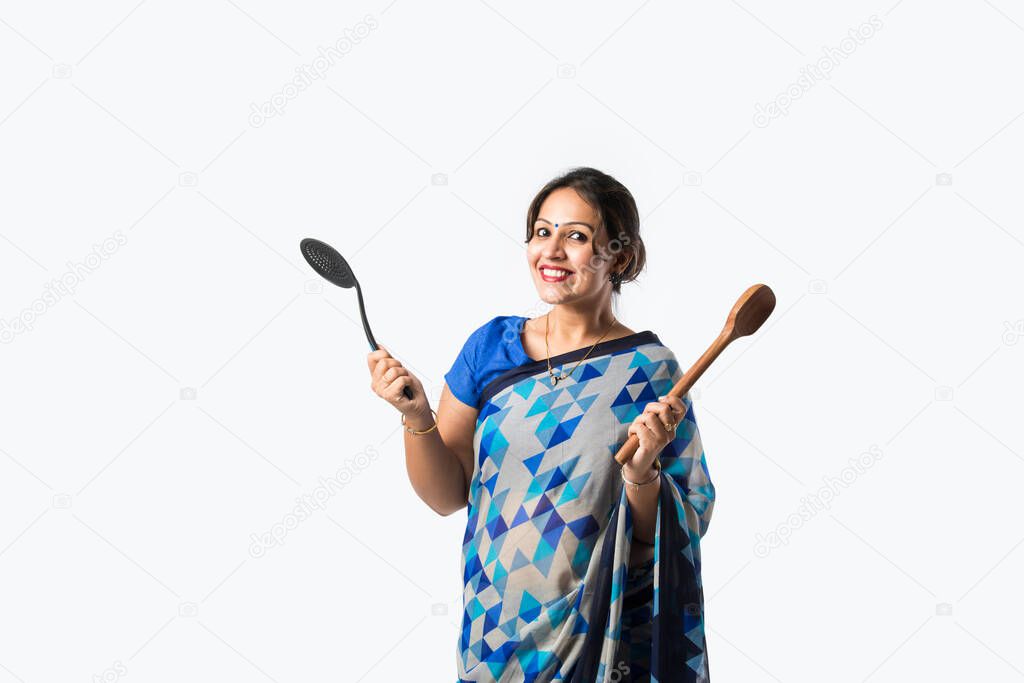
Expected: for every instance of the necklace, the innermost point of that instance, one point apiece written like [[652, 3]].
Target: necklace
[[556, 379]]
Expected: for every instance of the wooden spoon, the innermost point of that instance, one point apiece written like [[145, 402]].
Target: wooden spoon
[[746, 317]]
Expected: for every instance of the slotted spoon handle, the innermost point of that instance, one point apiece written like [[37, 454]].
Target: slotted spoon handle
[[332, 266]]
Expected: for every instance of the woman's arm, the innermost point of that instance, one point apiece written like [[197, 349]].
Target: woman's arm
[[643, 504], [653, 434], [440, 464]]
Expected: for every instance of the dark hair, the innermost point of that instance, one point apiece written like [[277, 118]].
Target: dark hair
[[616, 209]]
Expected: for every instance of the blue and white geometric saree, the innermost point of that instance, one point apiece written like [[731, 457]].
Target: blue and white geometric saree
[[549, 593]]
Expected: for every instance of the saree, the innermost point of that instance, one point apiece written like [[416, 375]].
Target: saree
[[549, 593]]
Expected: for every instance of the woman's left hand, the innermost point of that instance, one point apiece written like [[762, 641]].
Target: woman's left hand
[[655, 428]]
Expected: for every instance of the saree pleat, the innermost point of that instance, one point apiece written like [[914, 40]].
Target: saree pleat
[[549, 593]]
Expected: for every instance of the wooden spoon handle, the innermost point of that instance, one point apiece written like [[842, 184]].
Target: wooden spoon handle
[[747, 315]]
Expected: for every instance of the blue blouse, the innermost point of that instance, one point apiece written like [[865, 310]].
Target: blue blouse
[[494, 355], [492, 349]]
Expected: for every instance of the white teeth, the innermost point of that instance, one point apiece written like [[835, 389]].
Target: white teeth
[[550, 272]]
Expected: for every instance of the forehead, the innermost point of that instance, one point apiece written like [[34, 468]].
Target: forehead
[[564, 205]]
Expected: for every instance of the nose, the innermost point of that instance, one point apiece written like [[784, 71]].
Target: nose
[[553, 248]]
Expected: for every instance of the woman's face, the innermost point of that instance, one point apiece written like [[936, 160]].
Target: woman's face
[[564, 239]]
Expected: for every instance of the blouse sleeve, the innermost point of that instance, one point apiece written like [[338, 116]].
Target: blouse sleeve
[[462, 377]]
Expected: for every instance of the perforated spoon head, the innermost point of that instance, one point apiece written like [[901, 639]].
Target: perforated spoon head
[[328, 263]]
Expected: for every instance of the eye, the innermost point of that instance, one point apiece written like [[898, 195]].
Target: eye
[[576, 235]]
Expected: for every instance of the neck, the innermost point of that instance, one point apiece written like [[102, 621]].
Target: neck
[[577, 324]]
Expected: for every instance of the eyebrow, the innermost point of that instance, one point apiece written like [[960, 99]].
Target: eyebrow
[[569, 223]]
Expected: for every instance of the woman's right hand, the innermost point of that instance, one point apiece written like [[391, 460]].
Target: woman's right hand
[[389, 378]]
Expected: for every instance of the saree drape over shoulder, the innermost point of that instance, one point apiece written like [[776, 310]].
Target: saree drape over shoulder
[[549, 594]]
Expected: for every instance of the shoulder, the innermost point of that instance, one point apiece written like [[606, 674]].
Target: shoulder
[[490, 349], [499, 328], [657, 351]]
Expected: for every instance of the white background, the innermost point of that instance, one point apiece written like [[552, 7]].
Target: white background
[[200, 377]]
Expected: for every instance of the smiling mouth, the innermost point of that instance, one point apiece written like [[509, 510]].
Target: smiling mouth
[[549, 274]]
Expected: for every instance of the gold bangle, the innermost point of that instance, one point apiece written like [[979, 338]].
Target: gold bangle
[[656, 466], [425, 431]]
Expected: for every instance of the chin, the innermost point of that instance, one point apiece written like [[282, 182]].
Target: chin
[[545, 294], [561, 298]]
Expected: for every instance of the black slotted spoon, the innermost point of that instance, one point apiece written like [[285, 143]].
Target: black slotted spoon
[[331, 266]]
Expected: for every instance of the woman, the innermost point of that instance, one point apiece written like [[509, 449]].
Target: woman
[[574, 568]]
